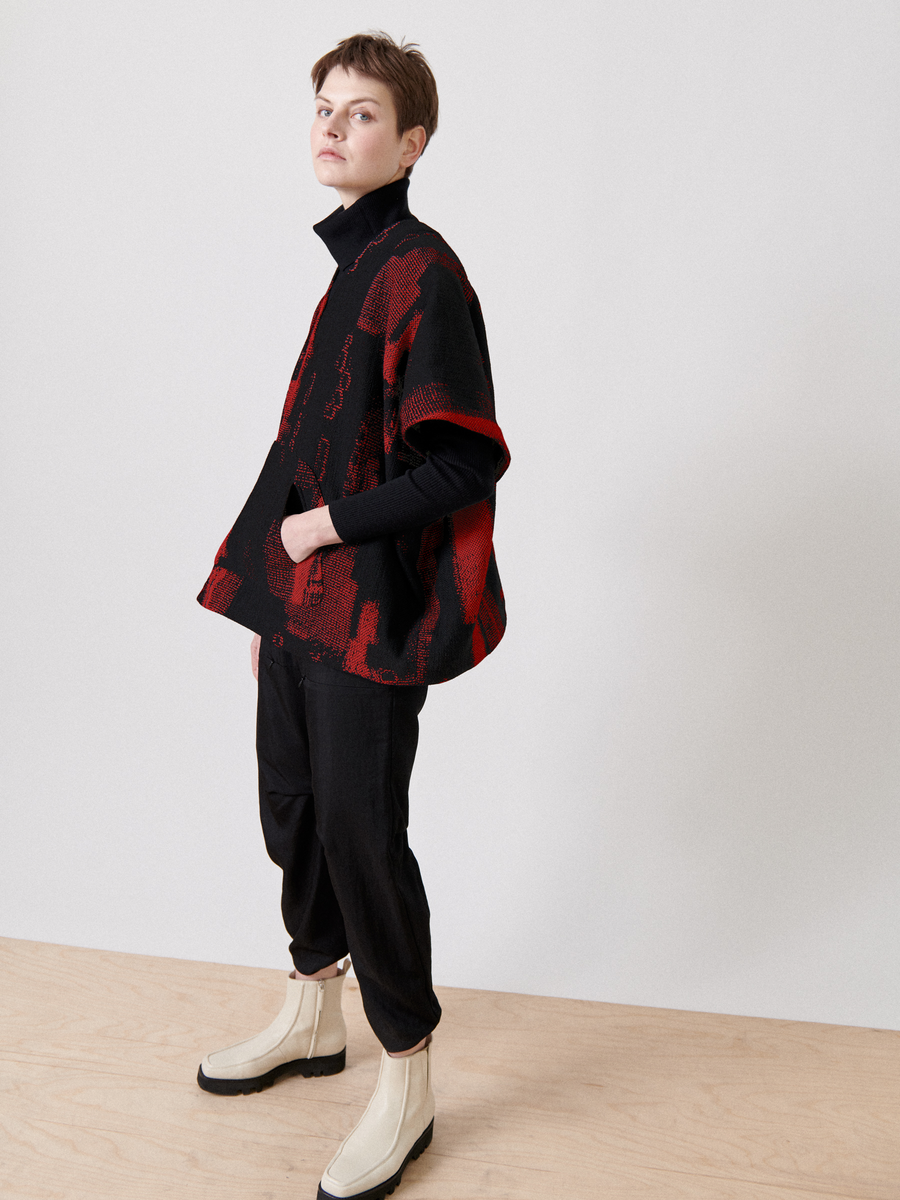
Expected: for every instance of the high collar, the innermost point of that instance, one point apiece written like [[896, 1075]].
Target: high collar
[[347, 231]]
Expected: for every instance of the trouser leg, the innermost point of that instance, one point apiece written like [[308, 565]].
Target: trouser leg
[[363, 739], [337, 824], [309, 906]]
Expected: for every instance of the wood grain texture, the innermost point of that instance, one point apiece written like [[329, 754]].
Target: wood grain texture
[[537, 1098]]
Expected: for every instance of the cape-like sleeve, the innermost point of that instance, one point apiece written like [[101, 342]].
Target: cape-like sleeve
[[460, 470], [436, 353]]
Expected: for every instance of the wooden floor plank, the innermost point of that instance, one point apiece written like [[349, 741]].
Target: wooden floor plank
[[537, 1098]]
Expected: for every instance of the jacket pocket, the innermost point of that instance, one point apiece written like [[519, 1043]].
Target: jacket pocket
[[307, 486], [303, 495]]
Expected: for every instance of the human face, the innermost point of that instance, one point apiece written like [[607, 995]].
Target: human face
[[354, 140]]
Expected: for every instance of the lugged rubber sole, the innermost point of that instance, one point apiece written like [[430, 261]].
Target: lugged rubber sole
[[385, 1189], [328, 1064]]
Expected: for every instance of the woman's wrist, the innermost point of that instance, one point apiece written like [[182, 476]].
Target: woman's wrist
[[302, 534], [324, 527]]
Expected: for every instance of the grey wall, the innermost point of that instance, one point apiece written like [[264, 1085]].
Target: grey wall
[[675, 782]]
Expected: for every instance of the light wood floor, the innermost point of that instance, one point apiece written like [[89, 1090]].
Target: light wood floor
[[538, 1099]]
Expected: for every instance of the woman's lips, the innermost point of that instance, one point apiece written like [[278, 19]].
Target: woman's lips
[[330, 154]]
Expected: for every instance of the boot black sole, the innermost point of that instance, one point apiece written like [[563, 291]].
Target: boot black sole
[[385, 1189], [328, 1064]]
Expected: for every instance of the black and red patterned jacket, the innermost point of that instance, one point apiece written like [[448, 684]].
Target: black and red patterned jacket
[[396, 342]]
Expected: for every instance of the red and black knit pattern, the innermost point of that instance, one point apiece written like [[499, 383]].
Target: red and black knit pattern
[[397, 341]]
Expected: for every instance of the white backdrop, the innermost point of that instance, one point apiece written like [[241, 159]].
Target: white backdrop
[[675, 783]]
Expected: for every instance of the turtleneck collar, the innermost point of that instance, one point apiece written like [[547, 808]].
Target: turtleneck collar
[[347, 231]]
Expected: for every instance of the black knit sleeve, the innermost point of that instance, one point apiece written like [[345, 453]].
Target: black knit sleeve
[[460, 469]]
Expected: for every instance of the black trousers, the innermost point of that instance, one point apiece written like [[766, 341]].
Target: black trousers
[[335, 755]]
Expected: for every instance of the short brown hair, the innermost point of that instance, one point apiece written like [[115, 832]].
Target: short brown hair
[[402, 68]]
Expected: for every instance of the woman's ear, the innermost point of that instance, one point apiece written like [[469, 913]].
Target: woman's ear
[[413, 144]]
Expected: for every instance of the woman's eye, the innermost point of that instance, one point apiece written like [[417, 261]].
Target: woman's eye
[[324, 112], [363, 116]]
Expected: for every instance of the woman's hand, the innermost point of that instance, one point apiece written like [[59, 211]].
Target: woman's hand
[[302, 534]]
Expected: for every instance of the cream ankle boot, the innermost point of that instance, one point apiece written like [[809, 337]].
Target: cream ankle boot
[[308, 1037], [394, 1129]]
